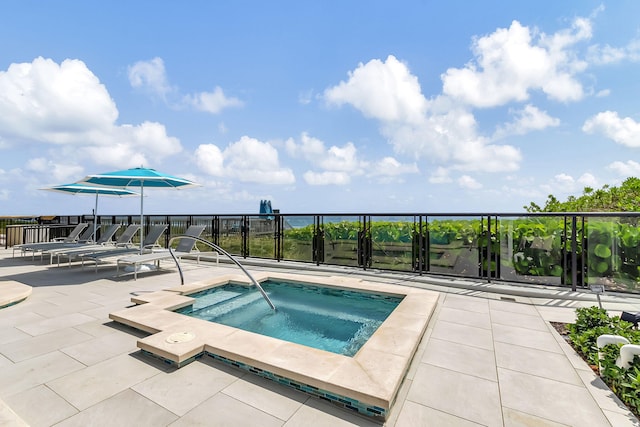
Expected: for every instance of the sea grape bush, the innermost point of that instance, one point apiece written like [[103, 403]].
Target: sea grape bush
[[531, 246], [592, 322]]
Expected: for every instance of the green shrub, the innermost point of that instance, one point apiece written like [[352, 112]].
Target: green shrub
[[590, 324], [623, 382]]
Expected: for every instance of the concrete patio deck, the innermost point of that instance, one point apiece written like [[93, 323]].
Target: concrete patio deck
[[489, 357]]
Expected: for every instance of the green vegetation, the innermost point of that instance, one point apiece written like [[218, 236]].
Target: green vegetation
[[590, 324], [625, 198], [530, 246]]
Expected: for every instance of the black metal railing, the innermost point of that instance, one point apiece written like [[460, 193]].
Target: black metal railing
[[575, 250]]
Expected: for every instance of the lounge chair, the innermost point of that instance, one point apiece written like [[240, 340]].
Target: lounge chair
[[81, 232], [104, 242], [106, 255], [185, 247]]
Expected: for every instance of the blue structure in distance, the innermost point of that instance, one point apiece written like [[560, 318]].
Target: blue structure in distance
[[265, 208]]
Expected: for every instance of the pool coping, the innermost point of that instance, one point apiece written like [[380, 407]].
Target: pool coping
[[12, 292], [371, 377]]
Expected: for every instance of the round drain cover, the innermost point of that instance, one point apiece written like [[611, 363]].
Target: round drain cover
[[180, 337]]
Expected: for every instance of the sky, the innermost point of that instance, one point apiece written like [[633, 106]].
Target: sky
[[318, 106]]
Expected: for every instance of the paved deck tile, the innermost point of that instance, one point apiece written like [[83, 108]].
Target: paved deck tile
[[182, 390], [549, 399], [483, 360], [461, 358], [272, 398], [413, 415], [36, 371], [96, 350], [222, 410], [465, 317], [465, 396], [524, 337], [95, 383], [532, 361], [127, 408], [40, 406], [29, 347], [462, 334]]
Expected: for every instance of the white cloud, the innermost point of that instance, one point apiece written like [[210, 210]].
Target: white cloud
[[397, 95], [210, 159], [54, 103], [326, 178], [607, 54], [150, 75], [389, 166], [338, 164], [310, 148], [55, 172], [564, 184], [511, 62], [342, 160], [305, 97], [438, 130], [465, 181], [528, 119], [248, 160], [66, 105], [212, 102], [131, 146], [623, 131], [628, 168], [603, 93], [479, 156], [440, 176], [587, 180], [564, 180]]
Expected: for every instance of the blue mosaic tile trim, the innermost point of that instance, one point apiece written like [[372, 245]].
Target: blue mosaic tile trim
[[171, 362], [336, 399], [12, 303], [345, 402]]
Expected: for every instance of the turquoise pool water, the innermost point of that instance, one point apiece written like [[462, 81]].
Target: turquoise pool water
[[335, 320]]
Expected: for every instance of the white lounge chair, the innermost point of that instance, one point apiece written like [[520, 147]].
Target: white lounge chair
[[106, 255], [104, 242], [78, 234], [185, 247]]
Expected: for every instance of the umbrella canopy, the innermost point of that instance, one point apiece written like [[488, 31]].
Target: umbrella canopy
[[138, 177], [77, 188]]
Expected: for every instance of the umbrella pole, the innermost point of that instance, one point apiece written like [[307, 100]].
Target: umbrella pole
[[141, 214], [95, 217]]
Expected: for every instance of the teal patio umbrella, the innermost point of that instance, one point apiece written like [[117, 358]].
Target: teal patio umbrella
[[78, 188], [138, 177]]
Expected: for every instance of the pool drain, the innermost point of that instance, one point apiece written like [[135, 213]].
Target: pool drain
[[179, 337]]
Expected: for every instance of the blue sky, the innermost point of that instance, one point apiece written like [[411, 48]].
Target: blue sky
[[332, 106]]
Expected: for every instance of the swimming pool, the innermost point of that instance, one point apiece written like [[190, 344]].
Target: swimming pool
[[335, 320], [367, 382]]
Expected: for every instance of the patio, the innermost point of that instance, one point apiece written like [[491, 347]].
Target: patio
[[489, 357]]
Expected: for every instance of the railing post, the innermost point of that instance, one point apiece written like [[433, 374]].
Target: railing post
[[574, 255], [277, 235], [364, 243], [215, 229], [318, 240], [244, 231]]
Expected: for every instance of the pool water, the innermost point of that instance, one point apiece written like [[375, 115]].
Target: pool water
[[335, 320]]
